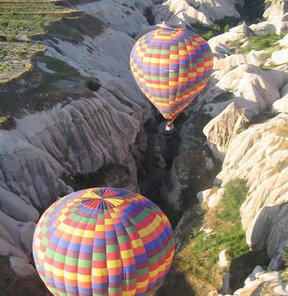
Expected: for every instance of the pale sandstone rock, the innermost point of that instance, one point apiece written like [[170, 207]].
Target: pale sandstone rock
[[125, 16], [283, 41], [214, 198], [280, 57], [221, 129], [105, 56], [276, 8], [223, 262], [77, 137], [234, 60], [262, 28], [258, 155], [10, 204], [253, 89], [276, 19], [237, 33], [176, 12], [210, 196], [7, 248], [281, 105], [26, 235], [266, 281], [202, 196], [182, 11], [21, 267]]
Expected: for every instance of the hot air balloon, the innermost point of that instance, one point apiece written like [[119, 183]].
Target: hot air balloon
[[171, 66], [103, 241]]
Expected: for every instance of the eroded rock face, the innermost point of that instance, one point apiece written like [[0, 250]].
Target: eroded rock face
[[181, 11], [276, 18], [78, 137], [125, 16], [259, 155], [221, 129], [262, 283], [217, 43], [250, 87]]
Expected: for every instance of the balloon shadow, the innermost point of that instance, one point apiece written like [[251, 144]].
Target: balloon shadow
[[175, 284]]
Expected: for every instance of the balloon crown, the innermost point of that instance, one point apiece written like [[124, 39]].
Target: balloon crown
[[103, 198]]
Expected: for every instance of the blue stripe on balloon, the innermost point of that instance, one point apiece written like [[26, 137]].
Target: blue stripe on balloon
[[140, 258]]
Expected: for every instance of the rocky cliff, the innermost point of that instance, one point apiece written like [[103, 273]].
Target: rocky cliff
[[87, 132]]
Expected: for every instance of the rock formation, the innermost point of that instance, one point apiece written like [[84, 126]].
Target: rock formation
[[76, 137], [175, 12]]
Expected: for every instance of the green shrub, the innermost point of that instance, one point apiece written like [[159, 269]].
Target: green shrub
[[3, 23], [235, 193], [11, 38], [261, 42], [227, 28], [93, 84], [2, 53], [208, 35]]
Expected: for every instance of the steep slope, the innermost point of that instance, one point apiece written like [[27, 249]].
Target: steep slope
[[87, 124], [251, 140]]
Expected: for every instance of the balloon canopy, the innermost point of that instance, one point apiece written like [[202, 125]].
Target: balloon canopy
[[171, 66], [103, 241]]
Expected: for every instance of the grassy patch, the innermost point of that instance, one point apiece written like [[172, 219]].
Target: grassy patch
[[38, 91], [199, 259], [21, 24], [235, 193], [261, 42], [219, 27]]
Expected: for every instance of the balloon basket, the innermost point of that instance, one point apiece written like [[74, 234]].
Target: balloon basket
[[169, 126]]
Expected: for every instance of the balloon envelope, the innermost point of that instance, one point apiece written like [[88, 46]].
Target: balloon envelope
[[171, 66], [103, 241]]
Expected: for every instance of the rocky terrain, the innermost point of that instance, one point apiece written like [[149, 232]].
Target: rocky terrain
[[90, 125]]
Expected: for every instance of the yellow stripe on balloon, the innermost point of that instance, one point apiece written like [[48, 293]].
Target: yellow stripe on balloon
[[156, 61], [127, 254], [99, 271], [151, 227], [143, 284], [128, 293], [100, 227], [115, 201], [136, 243], [113, 263]]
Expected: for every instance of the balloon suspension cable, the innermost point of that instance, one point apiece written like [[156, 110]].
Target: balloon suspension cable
[[169, 126]]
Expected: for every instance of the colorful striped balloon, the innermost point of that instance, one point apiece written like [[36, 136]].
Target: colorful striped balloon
[[103, 241], [171, 66]]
